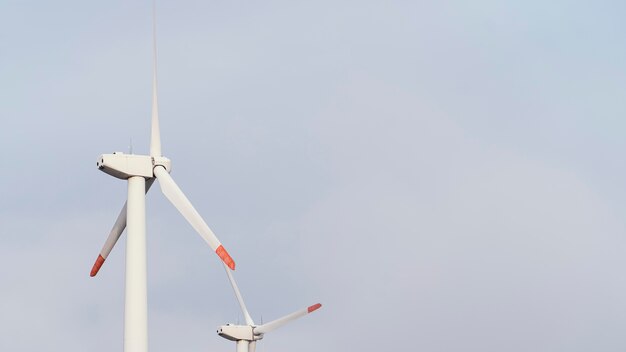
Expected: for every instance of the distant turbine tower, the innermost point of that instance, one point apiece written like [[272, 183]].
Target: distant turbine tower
[[140, 171], [247, 335]]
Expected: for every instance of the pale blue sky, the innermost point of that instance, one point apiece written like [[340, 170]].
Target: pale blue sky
[[442, 176]]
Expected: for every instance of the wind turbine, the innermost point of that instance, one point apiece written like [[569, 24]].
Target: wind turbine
[[247, 335], [140, 171]]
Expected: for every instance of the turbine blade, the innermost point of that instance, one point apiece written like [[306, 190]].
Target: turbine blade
[[275, 324], [242, 304], [252, 346], [114, 235], [180, 201], [155, 133]]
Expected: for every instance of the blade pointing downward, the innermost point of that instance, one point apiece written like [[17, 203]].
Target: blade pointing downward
[[155, 133], [275, 324], [180, 201], [114, 235]]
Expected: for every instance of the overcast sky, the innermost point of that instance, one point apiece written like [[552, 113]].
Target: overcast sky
[[441, 176]]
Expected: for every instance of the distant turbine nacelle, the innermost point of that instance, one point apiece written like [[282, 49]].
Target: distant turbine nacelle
[[238, 332], [124, 166]]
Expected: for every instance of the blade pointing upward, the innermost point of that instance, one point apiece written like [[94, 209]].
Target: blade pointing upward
[[242, 304], [155, 133], [180, 201]]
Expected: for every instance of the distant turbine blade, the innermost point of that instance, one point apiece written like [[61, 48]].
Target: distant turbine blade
[[275, 324], [180, 201], [244, 310], [155, 133], [114, 235]]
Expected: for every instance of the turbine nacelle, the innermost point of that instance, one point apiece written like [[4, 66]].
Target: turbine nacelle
[[238, 332], [124, 166]]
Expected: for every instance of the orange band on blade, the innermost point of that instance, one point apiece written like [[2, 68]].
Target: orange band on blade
[[221, 252], [314, 307], [96, 266]]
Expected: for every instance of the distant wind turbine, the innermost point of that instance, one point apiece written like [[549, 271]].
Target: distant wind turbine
[[246, 336]]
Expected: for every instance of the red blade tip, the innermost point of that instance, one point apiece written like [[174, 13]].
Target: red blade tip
[[221, 252], [96, 266], [314, 307]]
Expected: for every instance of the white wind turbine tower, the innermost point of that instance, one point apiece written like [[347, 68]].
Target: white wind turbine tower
[[140, 171], [247, 335]]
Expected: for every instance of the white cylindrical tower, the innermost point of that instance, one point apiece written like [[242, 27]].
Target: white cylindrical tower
[[136, 306]]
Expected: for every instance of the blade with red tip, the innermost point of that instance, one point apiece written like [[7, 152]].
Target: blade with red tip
[[114, 235], [314, 307], [275, 324], [173, 193]]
